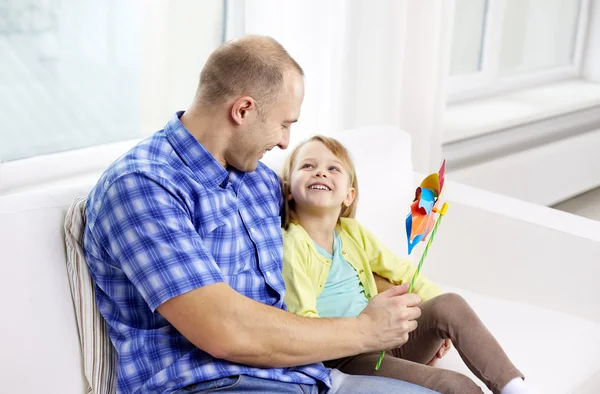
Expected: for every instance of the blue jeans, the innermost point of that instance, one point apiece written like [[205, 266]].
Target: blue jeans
[[341, 384]]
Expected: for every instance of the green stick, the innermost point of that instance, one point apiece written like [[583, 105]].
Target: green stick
[[412, 283]]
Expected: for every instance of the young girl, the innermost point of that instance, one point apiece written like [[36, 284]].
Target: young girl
[[331, 264]]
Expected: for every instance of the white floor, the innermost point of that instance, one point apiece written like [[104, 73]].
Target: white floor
[[586, 205]]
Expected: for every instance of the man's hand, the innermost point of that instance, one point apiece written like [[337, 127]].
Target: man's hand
[[442, 351], [390, 317]]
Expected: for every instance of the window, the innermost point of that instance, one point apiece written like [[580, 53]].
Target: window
[[93, 74], [538, 35], [68, 75], [500, 45], [467, 40]]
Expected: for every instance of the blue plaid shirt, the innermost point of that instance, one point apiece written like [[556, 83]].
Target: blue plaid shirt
[[167, 218]]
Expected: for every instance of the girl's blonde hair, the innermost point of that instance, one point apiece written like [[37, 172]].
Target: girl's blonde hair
[[335, 147]]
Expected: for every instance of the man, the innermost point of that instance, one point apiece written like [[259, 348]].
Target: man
[[184, 244]]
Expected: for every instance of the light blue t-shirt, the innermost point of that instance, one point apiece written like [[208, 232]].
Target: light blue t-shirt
[[343, 294]]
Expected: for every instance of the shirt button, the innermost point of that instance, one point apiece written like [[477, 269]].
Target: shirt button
[[268, 274], [344, 251], [252, 230], [361, 271]]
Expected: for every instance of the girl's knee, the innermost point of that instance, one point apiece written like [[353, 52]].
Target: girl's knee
[[457, 383], [450, 306], [452, 382]]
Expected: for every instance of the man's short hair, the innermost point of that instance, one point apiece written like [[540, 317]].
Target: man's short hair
[[251, 65]]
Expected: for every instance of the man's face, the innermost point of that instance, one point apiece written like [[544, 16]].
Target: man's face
[[272, 129]]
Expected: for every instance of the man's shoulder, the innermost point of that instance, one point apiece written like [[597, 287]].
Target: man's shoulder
[[153, 155], [265, 172], [148, 161], [264, 180]]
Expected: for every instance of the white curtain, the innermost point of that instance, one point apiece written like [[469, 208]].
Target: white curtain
[[366, 62], [591, 69], [177, 38]]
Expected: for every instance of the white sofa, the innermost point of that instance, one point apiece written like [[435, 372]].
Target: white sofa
[[530, 272]]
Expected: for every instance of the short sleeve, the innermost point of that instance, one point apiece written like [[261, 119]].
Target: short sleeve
[[148, 233]]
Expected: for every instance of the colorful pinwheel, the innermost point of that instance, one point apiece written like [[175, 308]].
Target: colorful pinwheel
[[421, 220]]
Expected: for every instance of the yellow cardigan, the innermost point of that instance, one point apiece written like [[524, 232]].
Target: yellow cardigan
[[305, 270]]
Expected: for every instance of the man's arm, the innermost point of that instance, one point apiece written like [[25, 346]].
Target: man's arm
[[233, 327]]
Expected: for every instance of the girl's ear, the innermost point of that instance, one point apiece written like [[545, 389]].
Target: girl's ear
[[349, 197], [287, 191]]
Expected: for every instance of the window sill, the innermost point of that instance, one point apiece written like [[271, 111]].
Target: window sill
[[475, 118], [39, 171]]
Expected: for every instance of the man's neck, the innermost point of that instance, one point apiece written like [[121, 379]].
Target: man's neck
[[208, 129], [319, 226]]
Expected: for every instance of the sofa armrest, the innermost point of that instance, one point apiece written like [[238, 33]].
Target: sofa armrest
[[504, 247]]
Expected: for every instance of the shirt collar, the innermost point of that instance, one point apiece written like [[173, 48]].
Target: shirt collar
[[197, 158]]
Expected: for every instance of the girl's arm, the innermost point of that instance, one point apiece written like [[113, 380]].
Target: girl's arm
[[300, 294], [382, 283]]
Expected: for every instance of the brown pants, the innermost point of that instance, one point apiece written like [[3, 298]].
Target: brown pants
[[447, 316]]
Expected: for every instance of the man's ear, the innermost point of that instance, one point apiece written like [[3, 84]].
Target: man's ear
[[241, 108]]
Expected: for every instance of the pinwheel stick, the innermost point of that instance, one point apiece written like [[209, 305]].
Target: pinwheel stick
[[441, 212]]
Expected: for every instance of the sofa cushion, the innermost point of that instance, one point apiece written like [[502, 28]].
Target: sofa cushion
[[555, 351], [99, 355]]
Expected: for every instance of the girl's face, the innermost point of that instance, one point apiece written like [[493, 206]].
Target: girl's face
[[319, 181]]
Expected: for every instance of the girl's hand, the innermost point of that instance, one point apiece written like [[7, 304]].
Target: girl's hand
[[442, 351]]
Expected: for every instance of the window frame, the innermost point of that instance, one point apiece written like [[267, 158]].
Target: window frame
[[487, 82]]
